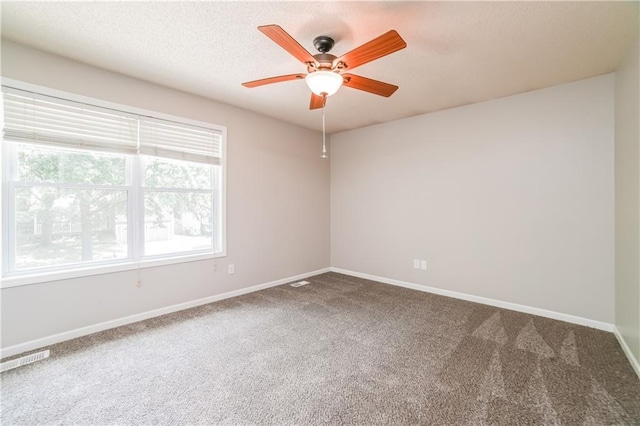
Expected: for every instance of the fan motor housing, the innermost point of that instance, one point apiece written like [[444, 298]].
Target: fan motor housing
[[323, 43], [325, 62]]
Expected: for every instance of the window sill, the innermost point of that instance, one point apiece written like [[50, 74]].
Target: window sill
[[42, 277]]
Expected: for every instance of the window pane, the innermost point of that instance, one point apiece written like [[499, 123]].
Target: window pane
[[57, 226], [177, 222], [163, 173], [38, 164]]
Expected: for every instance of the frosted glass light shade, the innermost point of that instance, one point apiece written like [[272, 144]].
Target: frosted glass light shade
[[324, 82]]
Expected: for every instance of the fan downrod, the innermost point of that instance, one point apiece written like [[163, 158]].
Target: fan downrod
[[323, 43]]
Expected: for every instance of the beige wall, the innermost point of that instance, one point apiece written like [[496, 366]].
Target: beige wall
[[627, 199], [277, 208], [510, 199]]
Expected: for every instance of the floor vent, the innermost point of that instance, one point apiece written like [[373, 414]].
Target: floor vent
[[27, 359], [299, 283]]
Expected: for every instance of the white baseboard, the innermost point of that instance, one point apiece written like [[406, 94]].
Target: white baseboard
[[79, 332], [484, 300], [627, 351], [72, 334]]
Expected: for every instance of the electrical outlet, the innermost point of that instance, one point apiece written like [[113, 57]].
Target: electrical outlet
[[232, 269], [215, 266], [416, 263], [139, 284], [423, 265]]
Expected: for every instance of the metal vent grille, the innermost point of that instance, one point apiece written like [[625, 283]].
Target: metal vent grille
[[19, 362]]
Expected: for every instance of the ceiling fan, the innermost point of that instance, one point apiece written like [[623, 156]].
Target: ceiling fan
[[325, 72]]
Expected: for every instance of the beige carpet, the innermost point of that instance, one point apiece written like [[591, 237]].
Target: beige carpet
[[340, 350]]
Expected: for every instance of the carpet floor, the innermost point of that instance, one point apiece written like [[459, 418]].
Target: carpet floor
[[340, 350]]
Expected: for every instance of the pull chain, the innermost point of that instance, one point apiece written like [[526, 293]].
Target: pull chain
[[324, 143]]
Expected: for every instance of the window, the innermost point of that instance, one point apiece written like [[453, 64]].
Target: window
[[178, 201], [85, 186], [69, 207]]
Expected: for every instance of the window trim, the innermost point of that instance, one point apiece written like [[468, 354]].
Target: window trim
[[49, 276], [83, 270]]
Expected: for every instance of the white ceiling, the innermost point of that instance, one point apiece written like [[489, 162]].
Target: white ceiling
[[458, 52]]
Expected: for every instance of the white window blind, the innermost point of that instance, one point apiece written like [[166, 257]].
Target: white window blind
[[167, 139], [35, 118]]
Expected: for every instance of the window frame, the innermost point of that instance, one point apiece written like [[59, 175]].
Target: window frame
[[11, 151], [140, 164], [135, 209]]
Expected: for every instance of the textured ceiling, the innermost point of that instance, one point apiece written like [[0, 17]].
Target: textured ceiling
[[458, 52]]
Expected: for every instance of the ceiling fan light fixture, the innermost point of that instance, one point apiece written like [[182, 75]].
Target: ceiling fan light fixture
[[324, 82]]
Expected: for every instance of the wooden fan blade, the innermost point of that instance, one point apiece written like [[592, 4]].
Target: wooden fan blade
[[271, 80], [368, 85], [387, 43], [288, 43], [316, 101]]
